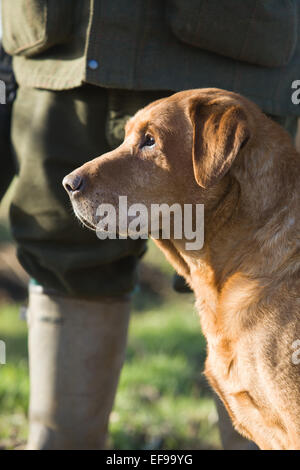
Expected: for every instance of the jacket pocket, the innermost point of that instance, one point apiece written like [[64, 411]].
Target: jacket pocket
[[33, 26], [262, 32]]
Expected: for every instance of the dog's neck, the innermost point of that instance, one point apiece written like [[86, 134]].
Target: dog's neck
[[259, 215], [223, 211], [265, 179]]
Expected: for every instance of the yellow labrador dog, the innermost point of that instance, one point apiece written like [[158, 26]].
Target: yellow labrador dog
[[216, 148]]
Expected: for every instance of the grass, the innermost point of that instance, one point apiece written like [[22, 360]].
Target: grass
[[13, 378], [163, 401]]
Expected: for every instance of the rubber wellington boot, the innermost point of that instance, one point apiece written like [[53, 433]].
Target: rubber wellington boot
[[76, 352]]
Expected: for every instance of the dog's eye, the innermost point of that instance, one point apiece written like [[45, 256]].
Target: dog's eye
[[149, 141]]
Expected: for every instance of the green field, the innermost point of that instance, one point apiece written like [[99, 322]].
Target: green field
[[163, 400]]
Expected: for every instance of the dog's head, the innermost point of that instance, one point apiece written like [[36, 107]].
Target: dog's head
[[176, 150]]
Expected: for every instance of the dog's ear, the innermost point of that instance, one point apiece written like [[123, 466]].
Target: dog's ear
[[219, 132]]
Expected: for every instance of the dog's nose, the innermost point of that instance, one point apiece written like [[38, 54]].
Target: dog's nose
[[72, 183]]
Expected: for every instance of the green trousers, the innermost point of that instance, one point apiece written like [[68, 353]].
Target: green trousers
[[52, 134]]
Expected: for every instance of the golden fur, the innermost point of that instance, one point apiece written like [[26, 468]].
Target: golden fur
[[217, 148]]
